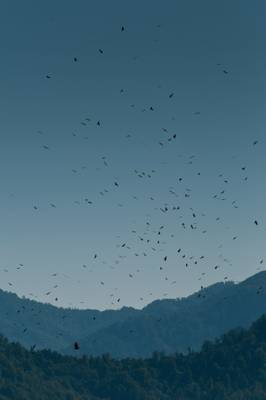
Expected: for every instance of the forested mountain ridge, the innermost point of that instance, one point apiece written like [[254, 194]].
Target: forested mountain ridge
[[231, 368]]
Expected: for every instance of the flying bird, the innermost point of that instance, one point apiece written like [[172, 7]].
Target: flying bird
[[76, 346]]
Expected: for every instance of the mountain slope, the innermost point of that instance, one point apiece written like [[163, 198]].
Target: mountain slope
[[33, 323]]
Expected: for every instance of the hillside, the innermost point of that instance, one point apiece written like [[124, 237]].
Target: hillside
[[232, 368], [164, 325]]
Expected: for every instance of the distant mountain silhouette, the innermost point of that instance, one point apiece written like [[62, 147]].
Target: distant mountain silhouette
[[179, 325], [32, 323], [164, 325], [232, 368]]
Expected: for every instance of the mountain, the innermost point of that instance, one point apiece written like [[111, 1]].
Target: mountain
[[177, 325], [163, 325], [32, 323], [232, 368]]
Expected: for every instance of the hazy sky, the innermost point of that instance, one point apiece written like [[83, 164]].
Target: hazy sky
[[210, 55]]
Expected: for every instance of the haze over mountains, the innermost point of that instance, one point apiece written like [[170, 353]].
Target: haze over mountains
[[164, 325]]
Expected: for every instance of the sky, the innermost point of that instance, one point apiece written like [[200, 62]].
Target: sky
[[128, 131]]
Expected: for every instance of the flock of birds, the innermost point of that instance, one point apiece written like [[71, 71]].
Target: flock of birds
[[151, 239]]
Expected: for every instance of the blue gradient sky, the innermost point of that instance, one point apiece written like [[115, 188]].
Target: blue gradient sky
[[167, 47]]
